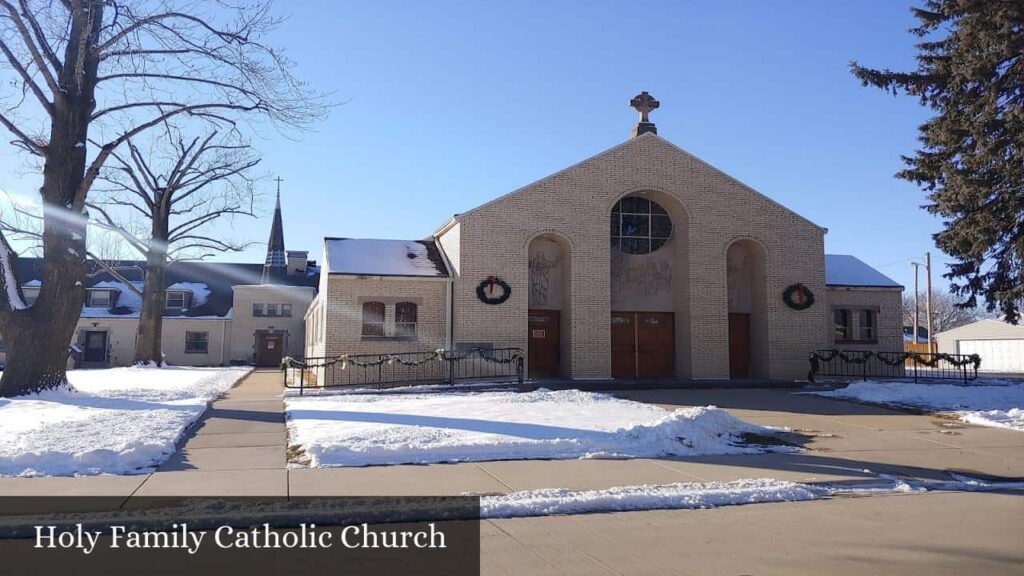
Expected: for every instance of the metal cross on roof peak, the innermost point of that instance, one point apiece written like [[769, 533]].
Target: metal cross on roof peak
[[644, 103]]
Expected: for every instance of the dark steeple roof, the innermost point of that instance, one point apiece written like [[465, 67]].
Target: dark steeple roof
[[275, 269]]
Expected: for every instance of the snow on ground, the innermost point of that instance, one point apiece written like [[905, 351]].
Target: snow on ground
[[986, 402], [366, 429], [684, 496], [645, 497], [117, 421]]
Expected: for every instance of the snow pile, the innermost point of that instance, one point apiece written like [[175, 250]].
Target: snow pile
[[117, 421], [684, 496], [646, 497], [363, 429], [125, 299], [998, 403]]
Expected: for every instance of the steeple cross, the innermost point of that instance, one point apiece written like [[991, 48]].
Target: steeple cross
[[279, 180], [644, 103]]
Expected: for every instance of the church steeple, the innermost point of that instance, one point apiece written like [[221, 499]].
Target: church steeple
[[276, 266]]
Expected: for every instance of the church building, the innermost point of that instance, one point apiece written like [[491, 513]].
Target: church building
[[640, 262]]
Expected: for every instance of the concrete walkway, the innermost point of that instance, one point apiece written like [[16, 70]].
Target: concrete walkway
[[240, 446]]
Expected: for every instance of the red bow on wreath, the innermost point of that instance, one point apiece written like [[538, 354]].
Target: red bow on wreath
[[491, 281]]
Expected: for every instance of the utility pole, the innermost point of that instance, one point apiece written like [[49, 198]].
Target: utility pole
[[928, 295], [917, 306]]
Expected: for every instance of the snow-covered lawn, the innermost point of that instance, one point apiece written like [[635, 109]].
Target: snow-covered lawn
[[365, 429], [118, 421], [998, 403]]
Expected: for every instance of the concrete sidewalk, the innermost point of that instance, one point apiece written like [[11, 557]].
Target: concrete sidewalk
[[240, 445]]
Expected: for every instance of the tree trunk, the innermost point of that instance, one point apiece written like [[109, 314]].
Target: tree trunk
[[38, 337], [149, 336]]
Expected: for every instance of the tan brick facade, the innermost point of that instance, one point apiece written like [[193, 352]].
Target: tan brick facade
[[710, 212]]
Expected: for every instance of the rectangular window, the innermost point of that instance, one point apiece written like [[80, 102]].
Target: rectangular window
[[373, 319], [99, 299], [271, 309], [175, 300], [257, 309], [856, 325], [286, 310], [405, 320], [197, 342], [867, 330], [842, 322]]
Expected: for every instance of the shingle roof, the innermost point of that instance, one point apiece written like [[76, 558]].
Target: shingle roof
[[218, 278]]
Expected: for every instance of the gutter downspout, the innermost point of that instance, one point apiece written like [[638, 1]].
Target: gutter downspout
[[223, 340], [449, 308]]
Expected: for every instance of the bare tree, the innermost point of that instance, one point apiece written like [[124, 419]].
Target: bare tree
[[87, 77], [946, 313], [179, 188]]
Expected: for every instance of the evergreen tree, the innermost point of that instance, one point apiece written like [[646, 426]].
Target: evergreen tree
[[971, 72]]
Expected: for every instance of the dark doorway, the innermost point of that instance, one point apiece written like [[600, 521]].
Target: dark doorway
[[95, 347], [545, 343], [269, 349], [739, 345], [643, 344]]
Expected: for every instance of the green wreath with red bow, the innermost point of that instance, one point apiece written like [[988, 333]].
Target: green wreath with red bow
[[493, 290], [798, 297]]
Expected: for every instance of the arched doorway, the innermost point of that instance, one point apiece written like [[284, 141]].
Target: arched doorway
[[649, 320], [748, 327], [549, 345]]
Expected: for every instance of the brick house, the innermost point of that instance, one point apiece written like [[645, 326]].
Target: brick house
[[640, 262]]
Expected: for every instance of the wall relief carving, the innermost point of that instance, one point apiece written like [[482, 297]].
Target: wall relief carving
[[540, 277]]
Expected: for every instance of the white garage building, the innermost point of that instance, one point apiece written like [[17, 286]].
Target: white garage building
[[1000, 345]]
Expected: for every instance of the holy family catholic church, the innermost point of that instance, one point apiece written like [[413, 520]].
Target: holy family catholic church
[[640, 262]]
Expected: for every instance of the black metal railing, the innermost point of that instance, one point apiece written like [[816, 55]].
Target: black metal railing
[[897, 365], [404, 369]]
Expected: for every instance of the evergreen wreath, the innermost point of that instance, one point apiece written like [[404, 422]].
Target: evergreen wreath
[[807, 300], [485, 290]]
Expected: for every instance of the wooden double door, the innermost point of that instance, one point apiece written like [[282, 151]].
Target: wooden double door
[[643, 344]]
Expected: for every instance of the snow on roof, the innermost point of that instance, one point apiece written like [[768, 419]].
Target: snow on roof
[[845, 270], [200, 292], [366, 257]]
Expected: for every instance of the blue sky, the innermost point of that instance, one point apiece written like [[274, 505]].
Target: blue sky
[[446, 105]]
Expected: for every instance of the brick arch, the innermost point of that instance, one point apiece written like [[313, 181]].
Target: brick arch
[[625, 294], [549, 305], [747, 306]]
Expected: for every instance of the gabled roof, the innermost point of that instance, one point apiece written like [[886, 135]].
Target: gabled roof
[[374, 257], [846, 270], [632, 142], [209, 282]]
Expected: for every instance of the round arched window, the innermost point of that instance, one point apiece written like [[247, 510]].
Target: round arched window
[[639, 226]]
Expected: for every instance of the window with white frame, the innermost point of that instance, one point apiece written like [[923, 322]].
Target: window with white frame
[[272, 310], [174, 300], [197, 342], [844, 329], [30, 294], [286, 310], [257, 310], [867, 330], [99, 299]]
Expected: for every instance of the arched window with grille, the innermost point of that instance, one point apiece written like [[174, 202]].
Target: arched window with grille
[[405, 320], [373, 319]]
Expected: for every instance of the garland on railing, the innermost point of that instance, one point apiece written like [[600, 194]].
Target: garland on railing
[[890, 359], [439, 355]]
